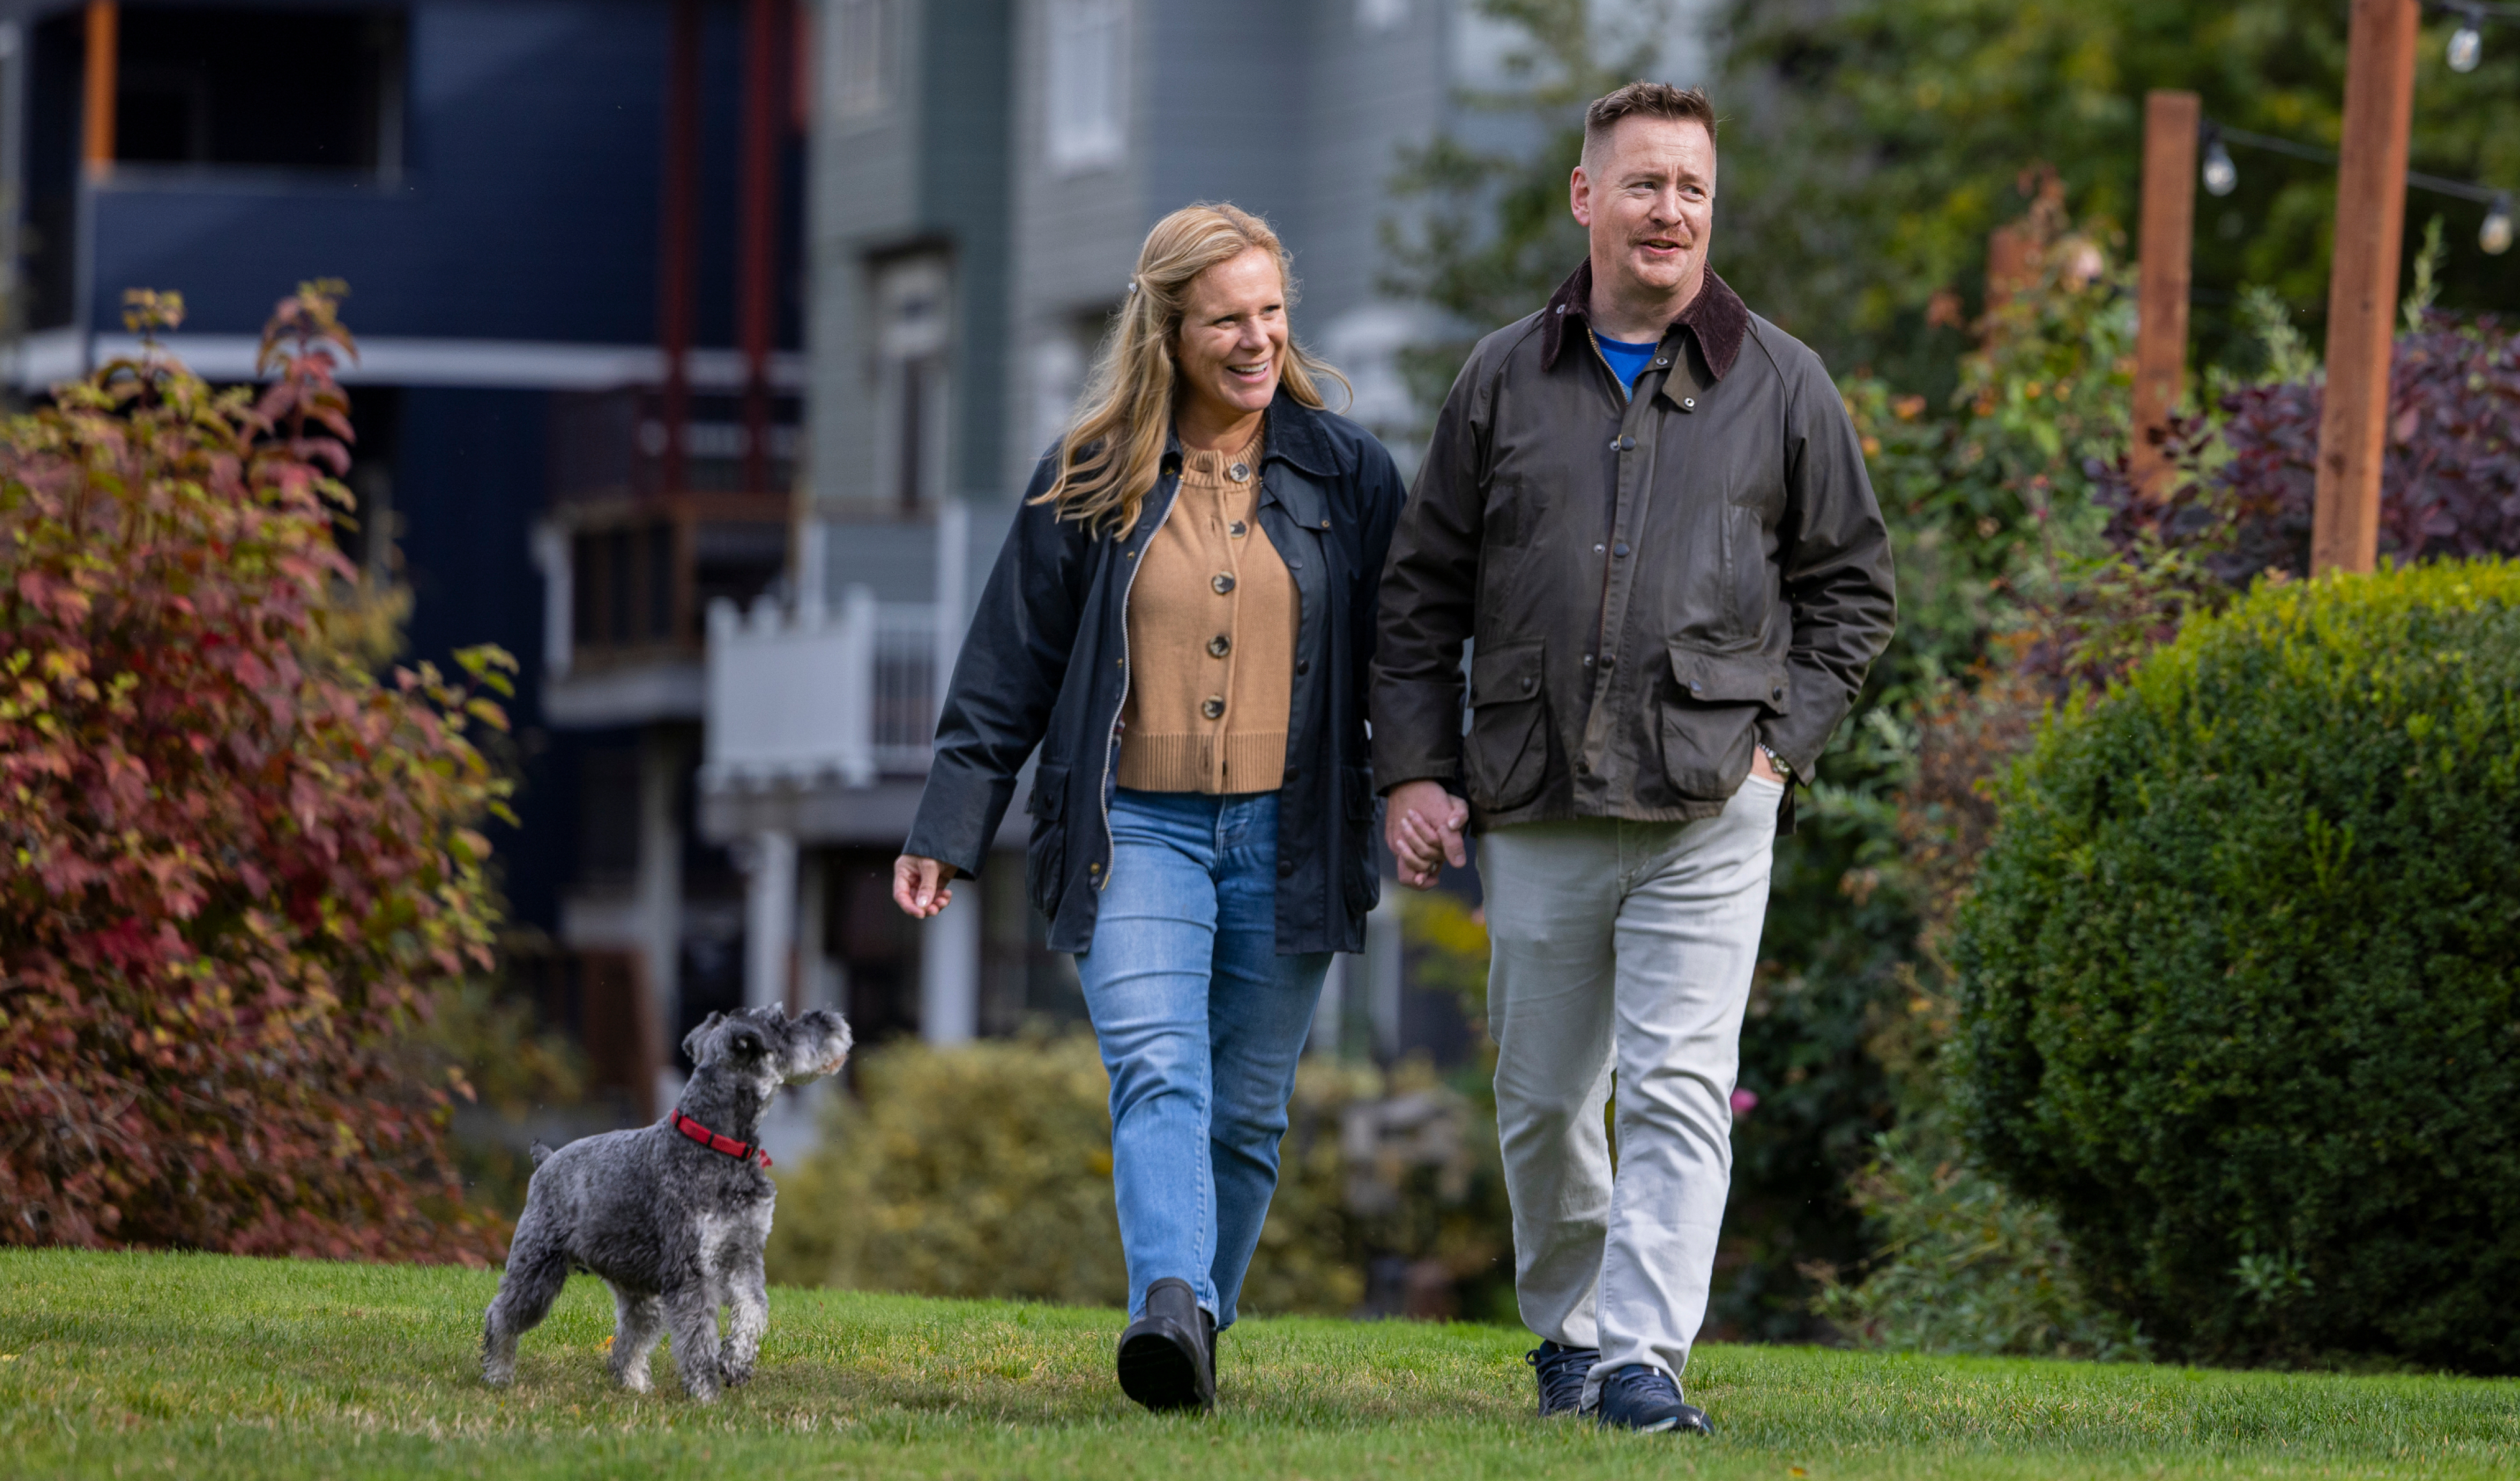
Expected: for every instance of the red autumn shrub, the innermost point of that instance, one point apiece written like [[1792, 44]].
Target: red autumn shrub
[[234, 864]]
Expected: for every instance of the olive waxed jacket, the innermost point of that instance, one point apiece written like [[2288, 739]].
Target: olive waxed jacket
[[1655, 586]]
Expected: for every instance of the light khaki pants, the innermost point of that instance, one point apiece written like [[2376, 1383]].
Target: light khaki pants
[[1626, 946]]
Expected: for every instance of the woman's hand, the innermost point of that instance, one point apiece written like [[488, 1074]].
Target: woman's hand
[[920, 887]]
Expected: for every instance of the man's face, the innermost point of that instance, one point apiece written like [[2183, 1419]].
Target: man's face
[[1649, 201]]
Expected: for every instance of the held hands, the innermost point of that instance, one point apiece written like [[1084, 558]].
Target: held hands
[[1423, 824], [920, 886]]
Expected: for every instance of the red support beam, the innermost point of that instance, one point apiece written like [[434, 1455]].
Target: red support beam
[[2170, 123], [103, 64], [676, 249], [767, 28], [2363, 286]]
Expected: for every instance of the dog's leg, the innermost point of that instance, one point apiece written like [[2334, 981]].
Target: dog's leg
[[537, 1268], [691, 1315], [747, 1293], [639, 1320]]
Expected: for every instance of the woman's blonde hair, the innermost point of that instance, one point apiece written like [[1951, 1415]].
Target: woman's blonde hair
[[1108, 461]]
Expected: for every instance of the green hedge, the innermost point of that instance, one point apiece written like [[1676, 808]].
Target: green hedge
[[2241, 982]]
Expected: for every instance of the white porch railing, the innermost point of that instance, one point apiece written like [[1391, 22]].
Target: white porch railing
[[800, 696]]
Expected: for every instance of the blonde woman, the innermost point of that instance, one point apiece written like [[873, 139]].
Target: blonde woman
[[1181, 620]]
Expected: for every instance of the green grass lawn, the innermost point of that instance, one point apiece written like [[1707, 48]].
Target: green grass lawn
[[204, 1365]]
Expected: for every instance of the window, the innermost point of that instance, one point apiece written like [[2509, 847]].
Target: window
[[1087, 83], [913, 322], [862, 40], [1375, 15], [288, 89]]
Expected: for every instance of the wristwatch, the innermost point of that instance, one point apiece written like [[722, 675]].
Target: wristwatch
[[1784, 768]]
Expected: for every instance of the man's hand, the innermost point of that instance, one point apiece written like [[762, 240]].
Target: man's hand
[[1423, 824], [918, 885]]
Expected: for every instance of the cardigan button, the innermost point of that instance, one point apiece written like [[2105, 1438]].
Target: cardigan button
[[1237, 529], [1212, 707], [1219, 646], [1221, 583]]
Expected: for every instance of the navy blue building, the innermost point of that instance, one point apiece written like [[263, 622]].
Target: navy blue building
[[571, 232]]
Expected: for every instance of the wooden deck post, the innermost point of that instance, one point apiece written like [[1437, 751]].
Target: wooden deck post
[[2170, 124], [2363, 288]]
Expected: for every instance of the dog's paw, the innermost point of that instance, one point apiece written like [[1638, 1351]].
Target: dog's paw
[[637, 1381], [736, 1377]]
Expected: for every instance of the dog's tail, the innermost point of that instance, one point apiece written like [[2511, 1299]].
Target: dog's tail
[[539, 1152]]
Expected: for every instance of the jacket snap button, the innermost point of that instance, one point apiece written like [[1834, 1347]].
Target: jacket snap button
[[1326, 525], [1688, 403], [1303, 665], [1527, 685], [1212, 707], [1219, 646], [1608, 658], [1619, 549], [1777, 695], [1285, 869], [1627, 444], [1662, 362], [1221, 583], [1093, 869], [1696, 688], [1587, 658]]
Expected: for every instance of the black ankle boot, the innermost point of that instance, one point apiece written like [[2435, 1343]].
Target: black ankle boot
[[1168, 1356]]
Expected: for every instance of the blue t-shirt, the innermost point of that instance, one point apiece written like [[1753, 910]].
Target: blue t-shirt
[[1628, 360]]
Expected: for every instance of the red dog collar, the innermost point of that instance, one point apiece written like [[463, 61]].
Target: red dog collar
[[740, 1150]]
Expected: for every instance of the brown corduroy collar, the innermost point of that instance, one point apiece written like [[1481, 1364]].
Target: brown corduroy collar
[[1717, 316]]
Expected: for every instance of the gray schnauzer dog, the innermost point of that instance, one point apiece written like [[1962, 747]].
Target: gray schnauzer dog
[[672, 1216]]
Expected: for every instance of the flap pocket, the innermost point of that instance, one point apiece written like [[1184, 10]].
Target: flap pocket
[[1506, 675], [1049, 798], [1730, 678]]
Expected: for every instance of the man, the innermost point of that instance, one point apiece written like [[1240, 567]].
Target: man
[[1647, 507]]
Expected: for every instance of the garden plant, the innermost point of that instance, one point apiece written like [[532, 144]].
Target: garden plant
[[235, 864], [2238, 987]]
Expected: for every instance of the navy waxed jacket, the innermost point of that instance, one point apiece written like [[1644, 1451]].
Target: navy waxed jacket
[[1046, 664]]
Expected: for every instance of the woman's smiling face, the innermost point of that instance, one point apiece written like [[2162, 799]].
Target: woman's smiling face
[[1233, 336]]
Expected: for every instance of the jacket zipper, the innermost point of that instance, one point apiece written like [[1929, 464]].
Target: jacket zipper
[[1110, 746]]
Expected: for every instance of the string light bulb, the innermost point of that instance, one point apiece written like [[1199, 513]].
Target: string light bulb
[[2221, 176], [2466, 44], [2494, 237]]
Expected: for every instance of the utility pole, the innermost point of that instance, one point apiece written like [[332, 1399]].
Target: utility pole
[[2170, 123], [2363, 286]]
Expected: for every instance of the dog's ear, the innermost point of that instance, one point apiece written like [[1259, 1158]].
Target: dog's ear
[[692, 1040], [747, 1040]]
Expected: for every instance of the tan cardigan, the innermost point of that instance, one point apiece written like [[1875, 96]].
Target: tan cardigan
[[1211, 641]]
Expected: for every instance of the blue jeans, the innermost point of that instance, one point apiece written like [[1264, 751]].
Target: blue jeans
[[1200, 1024]]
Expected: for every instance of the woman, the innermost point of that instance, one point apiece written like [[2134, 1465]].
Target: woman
[[1181, 619]]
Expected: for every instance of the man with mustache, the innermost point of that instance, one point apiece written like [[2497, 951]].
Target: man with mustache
[[1647, 508]]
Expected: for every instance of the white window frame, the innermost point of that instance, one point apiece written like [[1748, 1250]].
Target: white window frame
[[913, 304], [1085, 84], [865, 35]]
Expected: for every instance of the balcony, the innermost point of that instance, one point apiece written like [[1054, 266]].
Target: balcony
[[807, 697], [634, 552]]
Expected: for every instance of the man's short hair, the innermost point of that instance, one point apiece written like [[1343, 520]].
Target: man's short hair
[[1646, 100]]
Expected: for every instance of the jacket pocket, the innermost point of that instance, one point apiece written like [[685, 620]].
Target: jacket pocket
[[1364, 886], [1710, 724], [1507, 752], [1046, 856]]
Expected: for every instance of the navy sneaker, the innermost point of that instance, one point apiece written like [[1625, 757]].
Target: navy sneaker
[[1561, 1370], [1646, 1400]]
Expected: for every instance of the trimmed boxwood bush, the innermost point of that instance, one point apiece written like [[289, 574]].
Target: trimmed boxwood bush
[[2240, 981]]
